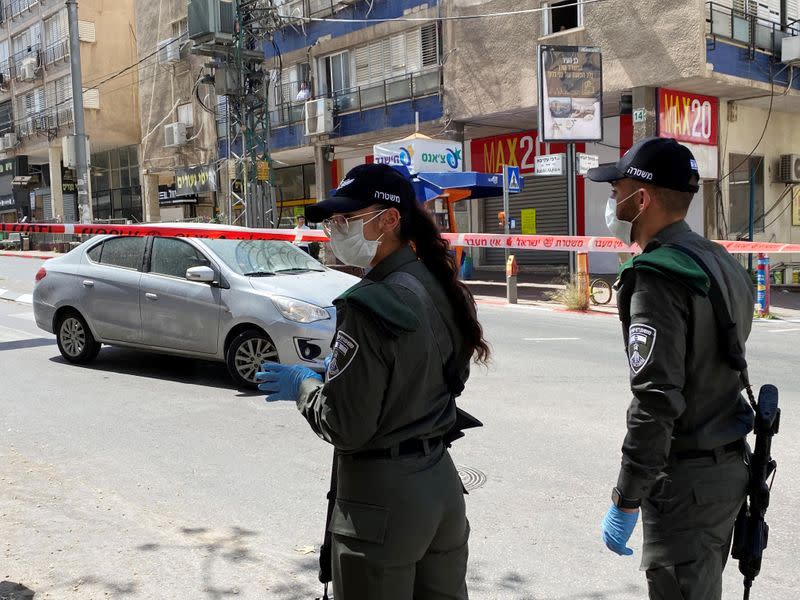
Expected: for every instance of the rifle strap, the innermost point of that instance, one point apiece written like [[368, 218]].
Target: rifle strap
[[726, 327]]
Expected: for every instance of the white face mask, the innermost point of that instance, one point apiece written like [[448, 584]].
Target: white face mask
[[622, 230], [351, 247]]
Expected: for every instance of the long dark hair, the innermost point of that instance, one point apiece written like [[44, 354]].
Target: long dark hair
[[418, 228]]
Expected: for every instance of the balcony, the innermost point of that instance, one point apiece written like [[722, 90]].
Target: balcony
[[358, 99], [45, 122], [756, 34], [11, 9], [56, 51], [17, 60]]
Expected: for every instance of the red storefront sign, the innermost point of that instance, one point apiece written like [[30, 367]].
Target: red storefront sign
[[687, 117]]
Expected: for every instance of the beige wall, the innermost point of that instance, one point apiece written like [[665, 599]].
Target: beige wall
[[115, 124], [782, 135], [493, 68]]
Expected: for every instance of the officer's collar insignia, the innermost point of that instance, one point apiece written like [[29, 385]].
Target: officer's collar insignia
[[344, 351], [641, 340]]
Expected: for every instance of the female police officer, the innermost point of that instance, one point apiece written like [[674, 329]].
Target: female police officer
[[405, 336]]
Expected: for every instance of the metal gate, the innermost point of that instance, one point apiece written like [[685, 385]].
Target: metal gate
[[548, 195]]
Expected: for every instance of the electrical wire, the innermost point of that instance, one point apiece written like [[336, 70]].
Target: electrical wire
[[510, 13]]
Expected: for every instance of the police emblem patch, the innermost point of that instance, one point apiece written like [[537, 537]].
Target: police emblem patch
[[641, 340], [344, 351]]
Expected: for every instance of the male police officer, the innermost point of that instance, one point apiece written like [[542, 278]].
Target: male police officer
[[683, 459]]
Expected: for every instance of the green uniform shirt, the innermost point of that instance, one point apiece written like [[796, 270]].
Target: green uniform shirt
[[686, 396], [386, 382]]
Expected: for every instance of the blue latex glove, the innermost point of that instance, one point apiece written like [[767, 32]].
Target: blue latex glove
[[282, 382], [617, 528]]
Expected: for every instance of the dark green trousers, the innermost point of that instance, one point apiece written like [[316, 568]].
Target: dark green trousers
[[688, 526], [400, 529]]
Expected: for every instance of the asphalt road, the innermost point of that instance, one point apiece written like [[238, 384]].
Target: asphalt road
[[144, 477]]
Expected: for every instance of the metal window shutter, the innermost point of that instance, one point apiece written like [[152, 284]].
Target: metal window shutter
[[793, 11], [548, 195], [413, 51], [91, 98], [397, 55], [87, 32], [430, 45], [361, 72]]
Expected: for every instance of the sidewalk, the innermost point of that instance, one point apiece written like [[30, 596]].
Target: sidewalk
[[37, 254]]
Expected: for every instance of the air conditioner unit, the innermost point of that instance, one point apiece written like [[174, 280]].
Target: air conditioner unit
[[174, 135], [10, 140], [790, 50], [169, 51], [789, 171], [319, 116], [212, 21], [27, 69]]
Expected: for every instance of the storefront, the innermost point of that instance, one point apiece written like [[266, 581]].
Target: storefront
[[541, 208], [116, 190], [295, 188]]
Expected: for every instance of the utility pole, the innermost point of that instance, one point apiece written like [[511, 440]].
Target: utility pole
[[82, 170]]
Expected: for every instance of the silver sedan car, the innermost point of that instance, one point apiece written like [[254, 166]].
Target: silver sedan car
[[240, 302]]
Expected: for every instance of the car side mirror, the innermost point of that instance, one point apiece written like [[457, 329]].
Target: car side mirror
[[201, 274]]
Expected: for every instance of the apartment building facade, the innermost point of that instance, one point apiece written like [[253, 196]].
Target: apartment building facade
[[36, 110], [177, 113]]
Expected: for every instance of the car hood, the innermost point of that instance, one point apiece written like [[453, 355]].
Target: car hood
[[314, 287]]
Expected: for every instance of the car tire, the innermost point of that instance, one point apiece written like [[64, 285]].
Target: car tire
[[246, 353], [75, 340]]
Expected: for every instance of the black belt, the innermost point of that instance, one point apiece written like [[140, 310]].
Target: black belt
[[736, 446], [404, 448]]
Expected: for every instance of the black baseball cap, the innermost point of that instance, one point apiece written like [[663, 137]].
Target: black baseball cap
[[363, 186], [662, 162]]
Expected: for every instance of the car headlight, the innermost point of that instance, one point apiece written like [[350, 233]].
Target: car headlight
[[299, 311]]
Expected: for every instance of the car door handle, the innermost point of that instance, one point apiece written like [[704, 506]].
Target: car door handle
[[151, 296], [88, 283]]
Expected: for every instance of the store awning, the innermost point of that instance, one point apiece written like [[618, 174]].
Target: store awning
[[480, 185]]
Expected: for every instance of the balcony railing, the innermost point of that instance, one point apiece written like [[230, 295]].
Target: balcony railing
[[397, 89], [296, 9], [17, 59], [748, 29], [11, 9], [45, 121], [56, 51]]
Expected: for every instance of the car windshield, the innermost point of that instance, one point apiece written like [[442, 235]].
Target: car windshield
[[262, 258]]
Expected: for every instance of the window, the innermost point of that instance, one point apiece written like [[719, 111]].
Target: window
[[94, 253], [396, 56], [56, 37], [186, 114], [6, 117], [17, 7], [28, 41], [337, 72], [30, 108], [173, 257], [125, 252], [5, 66], [744, 172], [58, 97], [180, 28], [295, 183], [563, 15]]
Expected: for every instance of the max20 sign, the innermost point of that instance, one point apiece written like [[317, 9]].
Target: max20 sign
[[194, 180], [687, 117]]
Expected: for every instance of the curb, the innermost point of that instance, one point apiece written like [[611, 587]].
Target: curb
[[16, 297], [37, 256]]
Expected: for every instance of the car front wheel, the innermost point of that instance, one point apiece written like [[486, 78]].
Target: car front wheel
[[75, 341], [245, 355]]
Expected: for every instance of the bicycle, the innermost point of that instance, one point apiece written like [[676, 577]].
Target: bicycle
[[600, 291]]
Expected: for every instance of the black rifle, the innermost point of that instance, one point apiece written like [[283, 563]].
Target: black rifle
[[751, 531]]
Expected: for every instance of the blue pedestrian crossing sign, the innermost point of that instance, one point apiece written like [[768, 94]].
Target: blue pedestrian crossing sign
[[512, 179]]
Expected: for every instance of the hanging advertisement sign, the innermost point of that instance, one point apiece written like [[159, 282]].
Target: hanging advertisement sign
[[421, 155], [489, 154], [570, 93], [687, 117], [195, 180]]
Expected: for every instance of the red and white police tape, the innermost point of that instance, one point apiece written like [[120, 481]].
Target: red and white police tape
[[467, 240]]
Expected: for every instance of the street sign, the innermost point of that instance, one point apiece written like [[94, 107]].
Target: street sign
[[550, 164], [586, 162], [511, 176], [639, 115]]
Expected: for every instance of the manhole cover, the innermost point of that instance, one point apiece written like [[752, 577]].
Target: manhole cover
[[471, 478]]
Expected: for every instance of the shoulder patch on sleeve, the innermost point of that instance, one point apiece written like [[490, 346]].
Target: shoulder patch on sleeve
[[382, 301], [345, 349], [641, 341]]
